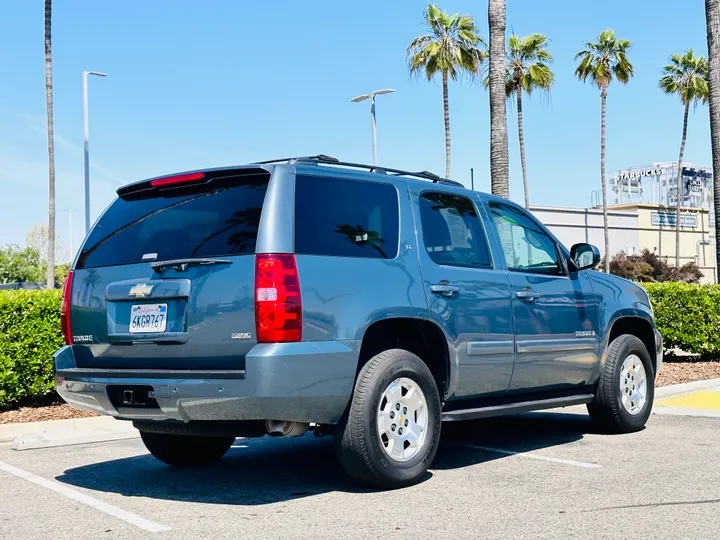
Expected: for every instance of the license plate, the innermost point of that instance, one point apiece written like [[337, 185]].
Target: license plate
[[145, 318]]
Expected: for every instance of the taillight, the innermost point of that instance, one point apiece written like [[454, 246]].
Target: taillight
[[278, 309], [65, 308]]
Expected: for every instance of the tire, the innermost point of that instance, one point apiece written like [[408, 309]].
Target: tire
[[186, 450], [360, 447], [607, 411]]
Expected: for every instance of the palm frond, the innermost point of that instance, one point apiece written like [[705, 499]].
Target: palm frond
[[585, 66], [686, 76], [583, 54], [544, 56], [452, 46], [527, 64], [604, 60], [511, 88], [418, 44]]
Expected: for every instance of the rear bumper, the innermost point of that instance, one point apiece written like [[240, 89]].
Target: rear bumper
[[302, 382]]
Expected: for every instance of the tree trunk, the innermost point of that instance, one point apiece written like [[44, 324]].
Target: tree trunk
[[678, 187], [446, 111], [499, 167], [606, 231], [521, 136], [51, 148], [712, 16]]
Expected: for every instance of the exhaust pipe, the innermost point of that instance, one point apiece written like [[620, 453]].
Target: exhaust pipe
[[280, 428]]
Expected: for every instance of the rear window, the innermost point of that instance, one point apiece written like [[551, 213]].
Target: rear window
[[346, 218], [179, 225]]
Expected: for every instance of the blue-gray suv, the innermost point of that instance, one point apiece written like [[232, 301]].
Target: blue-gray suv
[[364, 302]]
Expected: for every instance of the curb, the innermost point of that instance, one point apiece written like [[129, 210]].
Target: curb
[[683, 411], [68, 437], [9, 432], [665, 392]]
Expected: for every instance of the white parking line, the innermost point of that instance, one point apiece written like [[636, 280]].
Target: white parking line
[[128, 517], [530, 455]]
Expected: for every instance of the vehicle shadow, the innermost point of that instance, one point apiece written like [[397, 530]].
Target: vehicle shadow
[[461, 441], [263, 471]]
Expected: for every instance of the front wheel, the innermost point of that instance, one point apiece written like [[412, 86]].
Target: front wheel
[[186, 450], [390, 433], [626, 389]]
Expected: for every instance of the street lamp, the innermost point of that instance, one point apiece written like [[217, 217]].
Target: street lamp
[[371, 96], [87, 147]]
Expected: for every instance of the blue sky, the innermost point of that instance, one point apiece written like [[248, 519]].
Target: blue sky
[[202, 84]]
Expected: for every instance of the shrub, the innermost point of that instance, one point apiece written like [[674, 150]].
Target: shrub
[[687, 316], [29, 335], [649, 267]]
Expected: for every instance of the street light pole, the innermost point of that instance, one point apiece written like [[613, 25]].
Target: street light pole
[[87, 145], [371, 96]]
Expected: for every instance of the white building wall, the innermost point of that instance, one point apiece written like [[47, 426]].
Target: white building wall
[[575, 225]]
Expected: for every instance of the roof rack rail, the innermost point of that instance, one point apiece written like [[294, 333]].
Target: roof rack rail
[[320, 158], [328, 160]]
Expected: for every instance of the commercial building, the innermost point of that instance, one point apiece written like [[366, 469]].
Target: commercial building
[[634, 227], [656, 184], [641, 215]]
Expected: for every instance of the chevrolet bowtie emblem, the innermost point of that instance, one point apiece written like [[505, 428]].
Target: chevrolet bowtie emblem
[[140, 291]]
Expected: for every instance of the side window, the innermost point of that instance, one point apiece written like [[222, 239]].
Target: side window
[[452, 232], [346, 218], [526, 247]]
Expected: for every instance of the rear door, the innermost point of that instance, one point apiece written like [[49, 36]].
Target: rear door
[[132, 307], [466, 295]]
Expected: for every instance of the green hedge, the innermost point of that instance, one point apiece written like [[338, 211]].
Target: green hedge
[[687, 316], [29, 335]]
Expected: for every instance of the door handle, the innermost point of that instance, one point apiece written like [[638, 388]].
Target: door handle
[[527, 294], [444, 289]]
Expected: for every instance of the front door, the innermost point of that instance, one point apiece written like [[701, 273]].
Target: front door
[[555, 311], [467, 296]]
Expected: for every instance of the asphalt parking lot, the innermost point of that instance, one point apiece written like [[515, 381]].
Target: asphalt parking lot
[[567, 481]]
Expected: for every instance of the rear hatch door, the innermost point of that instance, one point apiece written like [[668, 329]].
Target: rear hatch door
[[165, 280]]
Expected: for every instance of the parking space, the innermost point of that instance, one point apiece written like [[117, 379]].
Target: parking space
[[540, 475]]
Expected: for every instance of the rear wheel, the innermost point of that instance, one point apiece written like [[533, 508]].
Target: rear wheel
[[186, 450], [626, 389], [390, 433]]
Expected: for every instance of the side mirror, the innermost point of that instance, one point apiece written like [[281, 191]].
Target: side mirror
[[584, 256]]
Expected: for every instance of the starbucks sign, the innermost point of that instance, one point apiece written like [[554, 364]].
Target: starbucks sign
[[636, 175]]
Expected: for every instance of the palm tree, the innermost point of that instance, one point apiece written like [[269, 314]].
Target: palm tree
[[712, 16], [452, 46], [51, 148], [685, 76], [600, 62], [527, 70], [499, 162]]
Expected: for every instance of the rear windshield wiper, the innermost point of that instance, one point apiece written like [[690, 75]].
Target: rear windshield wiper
[[183, 264]]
